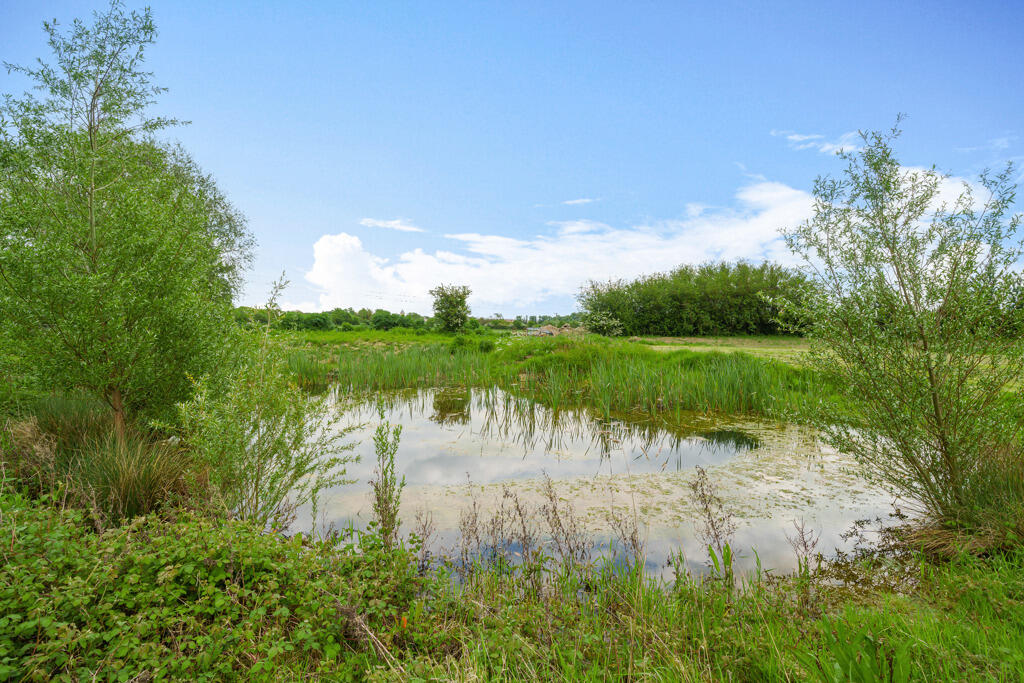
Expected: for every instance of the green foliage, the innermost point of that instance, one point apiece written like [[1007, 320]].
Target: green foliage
[[601, 375], [387, 488], [602, 323], [69, 419], [486, 345], [460, 342], [911, 316], [66, 443], [308, 370], [267, 445], [711, 299], [127, 477], [187, 598], [118, 256], [450, 307]]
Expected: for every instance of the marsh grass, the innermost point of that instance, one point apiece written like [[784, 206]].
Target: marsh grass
[[606, 377], [372, 369], [340, 609], [124, 478], [70, 419], [309, 371], [69, 444], [607, 624]]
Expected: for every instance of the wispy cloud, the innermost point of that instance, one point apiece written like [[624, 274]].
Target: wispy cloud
[[581, 200], [397, 224], [999, 144], [846, 142]]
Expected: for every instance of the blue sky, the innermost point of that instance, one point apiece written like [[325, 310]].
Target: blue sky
[[523, 148]]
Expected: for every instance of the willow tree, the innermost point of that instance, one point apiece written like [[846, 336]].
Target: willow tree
[[119, 258], [912, 315]]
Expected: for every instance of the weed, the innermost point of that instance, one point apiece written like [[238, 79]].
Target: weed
[[716, 525], [386, 487]]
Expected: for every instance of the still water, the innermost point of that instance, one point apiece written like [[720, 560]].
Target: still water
[[458, 445]]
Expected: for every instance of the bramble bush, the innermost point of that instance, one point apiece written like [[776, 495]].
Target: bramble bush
[[187, 597]]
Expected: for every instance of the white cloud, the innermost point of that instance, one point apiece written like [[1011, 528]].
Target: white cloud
[[582, 200], [845, 142], [523, 273], [397, 224]]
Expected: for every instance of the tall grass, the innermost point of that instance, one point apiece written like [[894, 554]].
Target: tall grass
[[309, 371], [67, 443], [128, 477], [419, 366], [607, 377]]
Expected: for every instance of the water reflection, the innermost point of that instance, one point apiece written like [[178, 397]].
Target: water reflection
[[495, 436], [768, 473]]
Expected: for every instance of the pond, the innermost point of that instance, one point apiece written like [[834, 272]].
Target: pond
[[461, 445]]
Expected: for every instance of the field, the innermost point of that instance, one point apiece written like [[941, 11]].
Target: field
[[781, 348]]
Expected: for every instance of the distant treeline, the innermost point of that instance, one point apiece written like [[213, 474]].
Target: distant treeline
[[380, 319], [710, 299]]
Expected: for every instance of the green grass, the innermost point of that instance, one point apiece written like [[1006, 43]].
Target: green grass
[[400, 336], [67, 443], [784, 348], [186, 597], [605, 376], [310, 371]]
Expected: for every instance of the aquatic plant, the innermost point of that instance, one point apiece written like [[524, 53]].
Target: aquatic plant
[[603, 376]]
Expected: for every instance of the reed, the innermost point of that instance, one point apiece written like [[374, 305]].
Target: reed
[[310, 373], [419, 366], [606, 378]]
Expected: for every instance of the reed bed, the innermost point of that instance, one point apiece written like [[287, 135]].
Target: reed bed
[[310, 372], [419, 366], [607, 378]]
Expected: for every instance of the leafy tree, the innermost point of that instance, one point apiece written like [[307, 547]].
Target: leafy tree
[[450, 307], [118, 256], [910, 317], [383, 320], [344, 315], [710, 299], [602, 323]]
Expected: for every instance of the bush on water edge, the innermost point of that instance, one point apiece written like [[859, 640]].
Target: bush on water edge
[[181, 595]]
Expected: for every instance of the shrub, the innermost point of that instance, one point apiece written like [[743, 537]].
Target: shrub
[[187, 598], [709, 299], [267, 445], [911, 316], [460, 342], [386, 486], [602, 323], [486, 345]]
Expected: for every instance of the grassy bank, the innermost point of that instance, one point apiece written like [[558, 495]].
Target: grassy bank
[[607, 376], [181, 596]]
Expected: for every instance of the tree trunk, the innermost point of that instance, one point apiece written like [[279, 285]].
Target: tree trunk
[[117, 403]]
